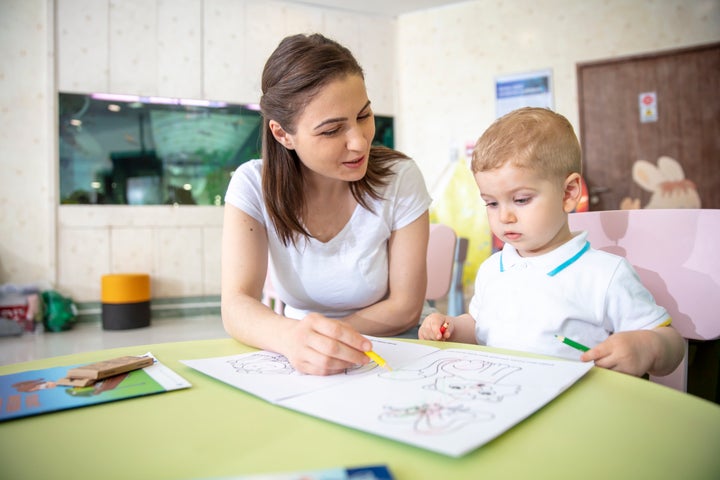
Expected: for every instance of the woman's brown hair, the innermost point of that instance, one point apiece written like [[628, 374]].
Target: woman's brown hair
[[295, 72]]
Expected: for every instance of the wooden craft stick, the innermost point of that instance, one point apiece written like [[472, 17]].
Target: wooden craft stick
[[75, 382], [108, 368]]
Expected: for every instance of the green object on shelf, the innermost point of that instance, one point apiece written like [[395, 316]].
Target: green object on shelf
[[60, 312]]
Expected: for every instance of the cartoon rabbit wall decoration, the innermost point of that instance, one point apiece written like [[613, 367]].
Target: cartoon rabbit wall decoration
[[667, 184]]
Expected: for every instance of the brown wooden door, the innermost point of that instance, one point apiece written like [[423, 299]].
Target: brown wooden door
[[686, 87]]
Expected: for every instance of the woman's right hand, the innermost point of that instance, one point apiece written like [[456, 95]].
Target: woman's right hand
[[319, 345]]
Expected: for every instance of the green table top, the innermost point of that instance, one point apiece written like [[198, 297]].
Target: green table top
[[607, 425]]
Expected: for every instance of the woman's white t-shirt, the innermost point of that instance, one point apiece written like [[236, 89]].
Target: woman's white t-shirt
[[350, 271]]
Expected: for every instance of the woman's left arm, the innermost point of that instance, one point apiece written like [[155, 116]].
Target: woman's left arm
[[407, 283]]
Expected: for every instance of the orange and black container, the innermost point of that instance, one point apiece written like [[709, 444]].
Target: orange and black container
[[125, 301]]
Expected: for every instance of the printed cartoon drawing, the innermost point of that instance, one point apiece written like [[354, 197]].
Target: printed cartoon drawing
[[434, 418], [33, 385], [667, 184], [462, 379], [462, 382], [274, 363], [263, 362], [470, 389]]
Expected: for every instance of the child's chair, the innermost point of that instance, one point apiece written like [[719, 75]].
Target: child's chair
[[269, 295], [456, 296], [440, 261], [675, 252]]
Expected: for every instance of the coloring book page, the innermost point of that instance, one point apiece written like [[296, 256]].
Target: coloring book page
[[449, 401], [270, 376]]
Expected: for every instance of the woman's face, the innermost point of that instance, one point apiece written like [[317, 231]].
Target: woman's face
[[334, 132]]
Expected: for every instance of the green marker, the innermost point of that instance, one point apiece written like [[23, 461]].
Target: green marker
[[572, 343]]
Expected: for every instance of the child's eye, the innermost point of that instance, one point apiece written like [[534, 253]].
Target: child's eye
[[491, 204], [522, 200]]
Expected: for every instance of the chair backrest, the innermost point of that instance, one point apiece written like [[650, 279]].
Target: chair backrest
[[456, 295], [269, 295], [675, 253], [440, 260]]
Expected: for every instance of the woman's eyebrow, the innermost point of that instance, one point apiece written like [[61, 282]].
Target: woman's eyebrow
[[365, 106], [338, 119]]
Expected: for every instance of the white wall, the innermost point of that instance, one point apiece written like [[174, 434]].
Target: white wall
[[209, 49], [27, 142], [448, 58], [433, 70]]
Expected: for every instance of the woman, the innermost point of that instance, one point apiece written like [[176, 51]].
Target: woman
[[345, 224]]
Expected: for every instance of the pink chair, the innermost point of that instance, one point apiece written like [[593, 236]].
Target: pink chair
[[675, 253], [270, 296], [456, 296], [440, 261]]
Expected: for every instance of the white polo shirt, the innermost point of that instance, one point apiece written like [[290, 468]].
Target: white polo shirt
[[521, 303], [349, 272]]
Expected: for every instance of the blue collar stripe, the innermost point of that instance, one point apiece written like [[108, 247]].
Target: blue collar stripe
[[563, 265], [569, 261]]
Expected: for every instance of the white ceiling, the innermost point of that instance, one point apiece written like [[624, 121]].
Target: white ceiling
[[391, 8]]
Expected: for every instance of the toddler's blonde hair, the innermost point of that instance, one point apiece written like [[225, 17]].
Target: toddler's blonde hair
[[533, 138]]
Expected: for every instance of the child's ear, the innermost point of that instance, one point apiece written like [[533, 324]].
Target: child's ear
[[281, 135], [572, 192]]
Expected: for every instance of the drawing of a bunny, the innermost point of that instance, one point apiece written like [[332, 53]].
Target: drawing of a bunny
[[666, 183]]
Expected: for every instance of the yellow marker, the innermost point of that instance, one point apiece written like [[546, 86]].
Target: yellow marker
[[377, 359]]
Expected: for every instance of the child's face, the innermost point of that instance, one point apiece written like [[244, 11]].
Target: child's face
[[525, 209]]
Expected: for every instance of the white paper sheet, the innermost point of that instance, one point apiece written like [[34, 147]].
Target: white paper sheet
[[448, 401]]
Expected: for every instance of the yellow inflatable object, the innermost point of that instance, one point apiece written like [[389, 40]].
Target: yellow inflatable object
[[458, 204]]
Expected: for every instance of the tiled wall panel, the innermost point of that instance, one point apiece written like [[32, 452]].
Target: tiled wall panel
[[134, 47], [211, 261], [131, 250], [264, 28], [84, 257], [82, 48], [178, 262], [225, 76], [377, 51], [26, 143], [179, 48]]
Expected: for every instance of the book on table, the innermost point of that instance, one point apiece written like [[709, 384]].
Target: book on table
[[34, 392]]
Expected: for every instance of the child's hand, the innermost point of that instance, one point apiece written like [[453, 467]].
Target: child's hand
[[633, 352], [436, 326], [658, 351]]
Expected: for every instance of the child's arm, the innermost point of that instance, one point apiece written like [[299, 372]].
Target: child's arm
[[457, 329], [658, 352]]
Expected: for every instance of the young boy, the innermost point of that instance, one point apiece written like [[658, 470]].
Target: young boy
[[547, 281]]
